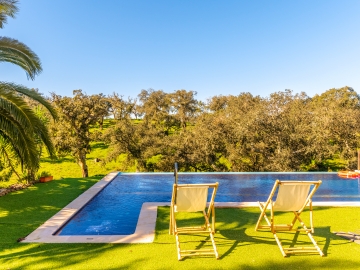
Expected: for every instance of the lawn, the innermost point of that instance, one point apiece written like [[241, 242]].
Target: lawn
[[66, 167], [239, 246]]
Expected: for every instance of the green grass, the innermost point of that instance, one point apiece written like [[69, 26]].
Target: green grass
[[240, 247], [65, 167]]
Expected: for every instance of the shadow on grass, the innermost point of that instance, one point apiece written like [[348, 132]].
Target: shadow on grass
[[37, 203], [108, 123], [236, 231], [303, 264], [245, 234], [70, 256], [99, 145], [236, 237], [58, 160]]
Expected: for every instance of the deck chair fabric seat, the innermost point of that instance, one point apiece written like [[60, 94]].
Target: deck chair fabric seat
[[193, 198], [291, 196]]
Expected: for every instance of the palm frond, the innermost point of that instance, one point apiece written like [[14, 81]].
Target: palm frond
[[17, 128], [21, 141], [9, 157], [19, 124], [31, 94], [18, 53], [7, 8], [13, 106]]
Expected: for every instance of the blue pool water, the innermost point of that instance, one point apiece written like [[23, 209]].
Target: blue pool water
[[115, 210]]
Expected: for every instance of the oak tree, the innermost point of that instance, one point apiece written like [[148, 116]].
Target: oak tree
[[77, 114]]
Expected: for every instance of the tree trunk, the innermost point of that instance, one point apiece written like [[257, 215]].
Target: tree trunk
[[40, 150], [30, 176], [101, 122], [183, 123], [82, 163], [12, 167]]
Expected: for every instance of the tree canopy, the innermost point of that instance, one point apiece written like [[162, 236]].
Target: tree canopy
[[76, 115], [282, 132]]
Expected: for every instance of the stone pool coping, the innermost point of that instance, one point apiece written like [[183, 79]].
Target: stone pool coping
[[145, 229]]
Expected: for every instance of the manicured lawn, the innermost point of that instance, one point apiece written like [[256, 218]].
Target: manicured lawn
[[239, 246]]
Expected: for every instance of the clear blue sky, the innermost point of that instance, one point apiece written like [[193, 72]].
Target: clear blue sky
[[212, 47]]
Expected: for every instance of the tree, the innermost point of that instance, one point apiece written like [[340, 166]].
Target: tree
[[244, 115], [282, 132], [76, 115], [141, 142], [155, 106], [121, 108], [218, 103], [19, 125], [201, 148], [335, 126], [184, 104], [286, 127]]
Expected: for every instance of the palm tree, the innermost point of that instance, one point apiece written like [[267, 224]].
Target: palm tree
[[18, 53], [14, 51], [7, 8], [19, 125]]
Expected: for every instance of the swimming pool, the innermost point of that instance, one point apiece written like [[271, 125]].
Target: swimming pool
[[115, 210]]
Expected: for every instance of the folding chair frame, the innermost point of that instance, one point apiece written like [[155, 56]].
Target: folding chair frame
[[207, 228], [290, 227]]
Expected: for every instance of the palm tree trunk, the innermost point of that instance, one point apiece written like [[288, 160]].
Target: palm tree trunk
[[12, 167]]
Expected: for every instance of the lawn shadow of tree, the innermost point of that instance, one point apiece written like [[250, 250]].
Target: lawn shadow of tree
[[68, 256]]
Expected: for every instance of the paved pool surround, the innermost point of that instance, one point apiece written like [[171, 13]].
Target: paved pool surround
[[145, 229]]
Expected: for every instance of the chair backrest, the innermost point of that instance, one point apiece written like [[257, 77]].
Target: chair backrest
[[294, 195], [191, 199]]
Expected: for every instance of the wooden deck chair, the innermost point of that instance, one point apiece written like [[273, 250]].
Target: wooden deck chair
[[193, 198], [292, 196]]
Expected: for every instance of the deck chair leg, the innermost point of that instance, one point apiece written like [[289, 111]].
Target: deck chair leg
[[214, 246], [262, 215], [171, 229], [293, 221], [178, 246], [279, 244], [211, 229], [172, 226], [315, 244], [309, 234], [311, 217]]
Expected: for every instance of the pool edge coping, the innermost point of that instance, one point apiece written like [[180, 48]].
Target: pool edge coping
[[145, 228]]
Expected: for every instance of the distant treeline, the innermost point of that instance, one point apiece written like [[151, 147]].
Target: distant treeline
[[282, 132]]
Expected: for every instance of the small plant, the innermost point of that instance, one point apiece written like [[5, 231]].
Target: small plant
[[45, 176]]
